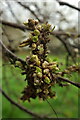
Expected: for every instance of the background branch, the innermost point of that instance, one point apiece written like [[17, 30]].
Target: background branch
[[9, 54], [28, 8], [67, 4], [22, 27], [71, 82], [19, 106]]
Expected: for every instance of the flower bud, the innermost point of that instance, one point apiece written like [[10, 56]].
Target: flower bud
[[46, 71], [45, 64], [38, 69], [39, 74], [36, 32], [39, 27], [34, 74], [25, 23], [38, 90], [24, 44], [31, 65], [36, 82], [46, 91], [33, 46], [18, 64], [47, 80], [35, 59], [35, 38]]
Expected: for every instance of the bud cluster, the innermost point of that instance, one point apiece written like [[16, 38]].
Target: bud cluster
[[40, 71]]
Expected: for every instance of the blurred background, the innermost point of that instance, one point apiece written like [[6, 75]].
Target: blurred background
[[64, 47]]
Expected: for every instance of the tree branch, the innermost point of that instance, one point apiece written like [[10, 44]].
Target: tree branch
[[14, 25], [28, 8], [19, 106], [14, 16], [67, 4], [66, 46], [22, 27], [11, 55], [71, 82]]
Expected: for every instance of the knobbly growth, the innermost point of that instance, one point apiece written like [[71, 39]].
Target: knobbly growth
[[39, 72]]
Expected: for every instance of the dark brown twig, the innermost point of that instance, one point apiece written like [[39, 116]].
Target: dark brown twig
[[67, 4], [22, 27], [28, 8], [71, 82], [14, 25], [11, 55], [66, 46], [19, 106], [14, 16]]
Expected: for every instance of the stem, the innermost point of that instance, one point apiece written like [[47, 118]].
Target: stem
[[71, 82]]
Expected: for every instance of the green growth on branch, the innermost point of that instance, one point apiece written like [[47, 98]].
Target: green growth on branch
[[41, 74]]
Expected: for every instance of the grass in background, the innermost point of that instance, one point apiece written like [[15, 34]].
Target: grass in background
[[65, 103]]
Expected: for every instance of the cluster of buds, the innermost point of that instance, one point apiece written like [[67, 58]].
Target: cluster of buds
[[40, 71]]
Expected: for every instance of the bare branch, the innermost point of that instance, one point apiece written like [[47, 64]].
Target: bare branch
[[28, 8], [71, 82], [19, 106], [67, 4], [66, 46], [9, 6], [11, 55], [22, 27], [14, 25]]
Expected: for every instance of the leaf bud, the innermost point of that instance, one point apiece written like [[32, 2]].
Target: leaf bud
[[38, 90], [39, 74], [45, 64], [35, 38], [25, 23], [46, 71], [47, 80], [36, 32], [33, 46]]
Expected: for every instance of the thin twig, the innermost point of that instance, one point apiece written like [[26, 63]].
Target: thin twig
[[28, 8], [67, 4], [19, 106], [22, 27], [68, 81], [14, 16], [11, 55]]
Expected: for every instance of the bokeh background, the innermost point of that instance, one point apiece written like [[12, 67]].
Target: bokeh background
[[64, 47]]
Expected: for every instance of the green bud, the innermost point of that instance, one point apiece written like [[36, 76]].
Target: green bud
[[47, 80], [34, 74], [36, 82], [25, 23], [31, 65], [46, 91], [46, 71], [38, 69], [46, 26], [35, 59], [33, 46], [38, 90], [24, 43], [36, 32], [35, 38], [39, 74], [39, 27], [45, 64], [18, 64]]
